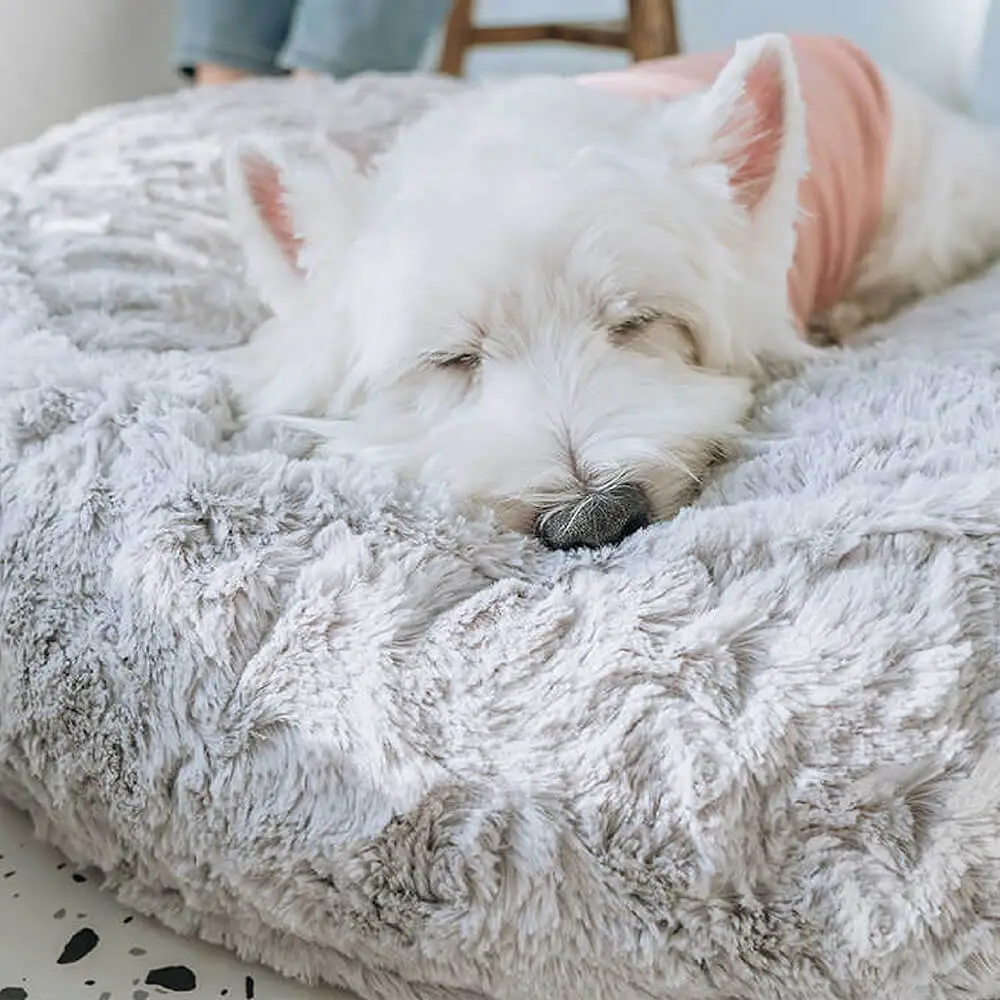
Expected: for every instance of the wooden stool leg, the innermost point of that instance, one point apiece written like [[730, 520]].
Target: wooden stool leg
[[652, 29], [457, 35]]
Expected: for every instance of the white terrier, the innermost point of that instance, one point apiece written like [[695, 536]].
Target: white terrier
[[554, 294]]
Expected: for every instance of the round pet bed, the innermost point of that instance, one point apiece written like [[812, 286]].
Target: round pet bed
[[288, 705]]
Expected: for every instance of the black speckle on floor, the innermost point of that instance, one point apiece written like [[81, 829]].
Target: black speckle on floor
[[223, 993], [10, 874], [59, 914], [80, 916], [60, 867], [178, 978], [13, 993], [81, 944], [249, 990], [137, 951], [140, 995], [104, 996], [77, 877], [16, 895], [128, 920], [89, 982]]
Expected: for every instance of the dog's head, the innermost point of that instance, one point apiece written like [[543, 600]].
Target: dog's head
[[547, 295]]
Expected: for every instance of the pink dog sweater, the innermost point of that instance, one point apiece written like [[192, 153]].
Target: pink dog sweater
[[849, 127]]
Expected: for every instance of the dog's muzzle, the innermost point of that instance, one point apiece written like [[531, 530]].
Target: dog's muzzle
[[603, 517]]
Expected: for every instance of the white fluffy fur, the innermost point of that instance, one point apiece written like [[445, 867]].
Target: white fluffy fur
[[546, 290]]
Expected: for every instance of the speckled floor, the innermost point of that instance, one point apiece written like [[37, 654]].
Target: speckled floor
[[63, 939]]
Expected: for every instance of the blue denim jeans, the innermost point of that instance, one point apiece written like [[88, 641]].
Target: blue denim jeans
[[339, 37]]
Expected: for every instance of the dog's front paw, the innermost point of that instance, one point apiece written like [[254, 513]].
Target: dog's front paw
[[837, 325]]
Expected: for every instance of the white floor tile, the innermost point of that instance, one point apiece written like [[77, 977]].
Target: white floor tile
[[64, 939]]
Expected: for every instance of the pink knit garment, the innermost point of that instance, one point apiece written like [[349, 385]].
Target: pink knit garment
[[848, 124]]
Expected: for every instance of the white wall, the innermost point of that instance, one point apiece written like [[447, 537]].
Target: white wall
[[934, 42], [986, 81], [61, 57]]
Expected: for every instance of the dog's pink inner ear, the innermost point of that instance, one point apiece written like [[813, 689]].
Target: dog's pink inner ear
[[268, 194], [754, 133]]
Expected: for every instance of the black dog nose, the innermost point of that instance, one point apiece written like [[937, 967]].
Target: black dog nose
[[600, 518]]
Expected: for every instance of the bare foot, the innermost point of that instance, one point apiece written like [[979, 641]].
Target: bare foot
[[209, 74]]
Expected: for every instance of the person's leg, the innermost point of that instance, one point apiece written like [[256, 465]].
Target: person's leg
[[218, 41], [207, 73], [343, 37]]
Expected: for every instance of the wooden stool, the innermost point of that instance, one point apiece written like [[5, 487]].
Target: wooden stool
[[649, 31]]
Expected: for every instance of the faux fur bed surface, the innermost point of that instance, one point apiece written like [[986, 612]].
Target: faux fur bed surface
[[287, 705]]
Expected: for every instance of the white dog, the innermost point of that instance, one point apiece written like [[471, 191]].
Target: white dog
[[554, 294]]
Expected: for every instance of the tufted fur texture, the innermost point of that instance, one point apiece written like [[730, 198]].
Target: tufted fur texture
[[289, 705]]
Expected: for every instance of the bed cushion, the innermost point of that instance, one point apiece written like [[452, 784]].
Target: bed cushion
[[334, 723]]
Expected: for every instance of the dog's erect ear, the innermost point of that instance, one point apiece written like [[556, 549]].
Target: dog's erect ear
[[757, 121], [290, 216]]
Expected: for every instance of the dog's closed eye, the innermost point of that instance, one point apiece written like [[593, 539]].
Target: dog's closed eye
[[669, 329], [461, 361], [621, 329]]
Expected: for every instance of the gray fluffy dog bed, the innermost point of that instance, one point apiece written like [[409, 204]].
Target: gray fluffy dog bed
[[290, 706]]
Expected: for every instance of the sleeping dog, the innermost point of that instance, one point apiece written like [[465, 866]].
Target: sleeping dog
[[554, 294]]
